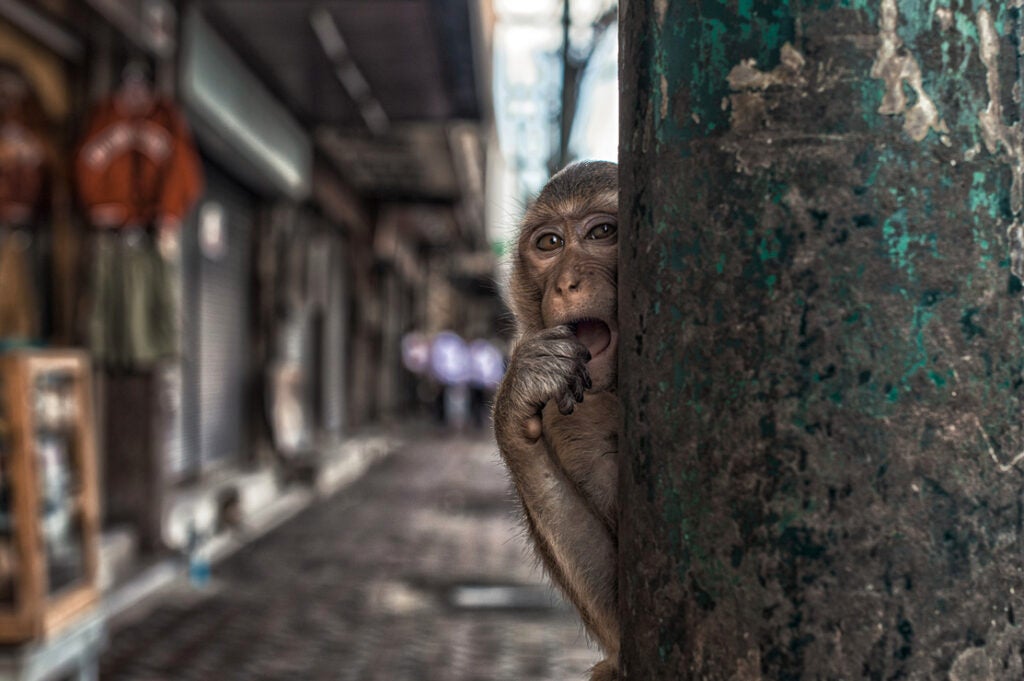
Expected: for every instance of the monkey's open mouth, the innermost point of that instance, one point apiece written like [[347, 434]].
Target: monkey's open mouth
[[594, 334]]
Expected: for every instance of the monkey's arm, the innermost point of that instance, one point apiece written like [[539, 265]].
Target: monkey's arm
[[575, 544]]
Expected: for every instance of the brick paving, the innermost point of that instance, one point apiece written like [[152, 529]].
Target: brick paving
[[361, 587]]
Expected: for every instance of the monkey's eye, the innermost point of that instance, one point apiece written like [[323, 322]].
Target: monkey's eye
[[602, 231], [549, 242]]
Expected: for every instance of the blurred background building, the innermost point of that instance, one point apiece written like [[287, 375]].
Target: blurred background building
[[239, 209]]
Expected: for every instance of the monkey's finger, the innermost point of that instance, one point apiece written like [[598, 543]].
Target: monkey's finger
[[577, 389], [550, 349], [580, 372], [568, 349], [576, 384], [555, 333], [566, 404]]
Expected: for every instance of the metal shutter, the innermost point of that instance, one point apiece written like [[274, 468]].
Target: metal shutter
[[215, 329], [223, 333], [334, 349]]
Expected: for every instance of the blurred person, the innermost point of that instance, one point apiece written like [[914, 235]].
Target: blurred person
[[450, 364], [487, 368], [416, 359]]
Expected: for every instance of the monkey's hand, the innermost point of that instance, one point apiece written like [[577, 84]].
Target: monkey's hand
[[549, 365]]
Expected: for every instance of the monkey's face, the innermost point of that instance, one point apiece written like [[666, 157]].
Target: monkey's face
[[571, 257]]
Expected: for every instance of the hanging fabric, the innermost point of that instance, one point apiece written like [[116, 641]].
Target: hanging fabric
[[138, 168], [138, 176], [133, 313], [26, 163]]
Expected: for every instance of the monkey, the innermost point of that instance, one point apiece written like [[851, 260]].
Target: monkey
[[556, 413]]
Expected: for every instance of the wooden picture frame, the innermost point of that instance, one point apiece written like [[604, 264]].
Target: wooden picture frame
[[46, 415]]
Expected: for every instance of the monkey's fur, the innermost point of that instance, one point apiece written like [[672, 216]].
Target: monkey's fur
[[556, 414]]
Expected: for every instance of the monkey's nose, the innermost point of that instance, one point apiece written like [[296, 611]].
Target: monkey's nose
[[567, 286]]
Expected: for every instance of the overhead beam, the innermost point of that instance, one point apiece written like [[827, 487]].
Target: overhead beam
[[348, 72]]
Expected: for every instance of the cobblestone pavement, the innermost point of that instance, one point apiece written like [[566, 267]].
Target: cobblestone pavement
[[383, 582]]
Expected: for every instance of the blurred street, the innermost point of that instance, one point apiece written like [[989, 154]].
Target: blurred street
[[237, 241], [391, 579]]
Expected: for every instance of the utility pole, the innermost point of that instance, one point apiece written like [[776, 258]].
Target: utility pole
[[568, 109], [822, 365]]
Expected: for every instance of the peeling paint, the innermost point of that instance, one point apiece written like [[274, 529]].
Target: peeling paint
[[748, 83], [663, 108], [996, 133], [972, 665], [1015, 235], [993, 130], [660, 8], [831, 294], [897, 66], [995, 654], [746, 75], [1000, 466]]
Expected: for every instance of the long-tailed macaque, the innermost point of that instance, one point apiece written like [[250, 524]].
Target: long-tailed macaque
[[556, 414]]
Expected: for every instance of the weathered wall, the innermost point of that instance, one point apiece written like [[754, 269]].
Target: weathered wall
[[821, 372]]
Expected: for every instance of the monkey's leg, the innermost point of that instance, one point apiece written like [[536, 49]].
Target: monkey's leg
[[574, 542]]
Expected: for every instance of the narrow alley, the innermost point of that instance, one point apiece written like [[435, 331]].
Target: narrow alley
[[391, 579], [238, 240]]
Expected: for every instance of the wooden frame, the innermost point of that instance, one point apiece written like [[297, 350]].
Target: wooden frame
[[35, 612]]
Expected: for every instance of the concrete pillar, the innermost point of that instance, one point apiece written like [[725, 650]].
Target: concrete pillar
[[822, 363]]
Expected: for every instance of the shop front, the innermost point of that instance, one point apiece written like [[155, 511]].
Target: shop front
[[74, 123], [135, 189]]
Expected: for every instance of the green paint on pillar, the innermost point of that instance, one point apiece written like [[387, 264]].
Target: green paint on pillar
[[981, 201], [868, 7], [703, 33], [898, 240]]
